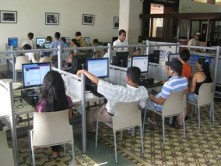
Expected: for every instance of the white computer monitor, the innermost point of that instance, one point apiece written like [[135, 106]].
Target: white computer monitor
[[33, 73], [140, 61], [40, 41], [99, 67]]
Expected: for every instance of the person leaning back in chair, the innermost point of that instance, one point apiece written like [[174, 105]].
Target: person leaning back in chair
[[176, 83], [114, 94]]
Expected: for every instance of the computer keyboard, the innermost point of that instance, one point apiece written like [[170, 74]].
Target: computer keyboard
[[152, 85]]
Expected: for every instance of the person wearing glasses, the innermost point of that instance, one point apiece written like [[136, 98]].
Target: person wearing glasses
[[194, 41]]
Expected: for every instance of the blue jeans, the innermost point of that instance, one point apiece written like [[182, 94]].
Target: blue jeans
[[152, 105], [192, 97]]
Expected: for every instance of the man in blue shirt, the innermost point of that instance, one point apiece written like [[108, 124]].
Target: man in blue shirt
[[176, 83]]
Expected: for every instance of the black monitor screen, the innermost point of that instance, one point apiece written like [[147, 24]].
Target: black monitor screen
[[79, 62], [40, 41], [98, 67], [140, 61], [13, 41], [33, 73], [173, 56], [155, 57], [121, 59]]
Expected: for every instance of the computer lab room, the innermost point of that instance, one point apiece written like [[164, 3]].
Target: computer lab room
[[120, 82]]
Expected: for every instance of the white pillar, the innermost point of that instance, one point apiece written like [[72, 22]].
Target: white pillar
[[129, 19]]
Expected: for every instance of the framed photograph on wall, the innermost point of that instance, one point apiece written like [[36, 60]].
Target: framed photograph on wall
[[51, 18], [115, 22], [88, 19], [8, 16]]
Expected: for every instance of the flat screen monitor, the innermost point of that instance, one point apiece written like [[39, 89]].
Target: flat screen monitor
[[98, 67], [121, 59], [140, 61], [40, 41], [34, 73], [79, 62], [155, 57], [13, 41], [173, 56]]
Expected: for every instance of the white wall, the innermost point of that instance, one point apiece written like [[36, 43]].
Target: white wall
[[189, 6], [31, 18]]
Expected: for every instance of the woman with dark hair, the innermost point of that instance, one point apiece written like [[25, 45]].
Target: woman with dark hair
[[74, 43], [53, 98], [202, 75]]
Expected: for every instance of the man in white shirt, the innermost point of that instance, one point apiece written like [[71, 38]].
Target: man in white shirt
[[114, 94], [121, 42], [29, 41], [194, 41]]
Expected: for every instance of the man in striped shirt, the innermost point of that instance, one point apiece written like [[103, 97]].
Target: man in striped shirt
[[174, 84], [114, 94]]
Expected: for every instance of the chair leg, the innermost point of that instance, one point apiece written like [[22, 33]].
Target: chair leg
[[65, 151], [73, 154], [199, 118], [142, 143], [184, 126], [96, 134], [212, 110], [163, 129], [115, 147], [144, 120]]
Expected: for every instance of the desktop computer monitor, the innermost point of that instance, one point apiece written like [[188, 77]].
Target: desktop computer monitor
[[155, 56], [99, 67], [13, 41], [34, 73], [140, 61], [40, 41], [121, 59], [173, 56]]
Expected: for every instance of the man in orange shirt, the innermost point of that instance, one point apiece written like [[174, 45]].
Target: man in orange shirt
[[186, 72]]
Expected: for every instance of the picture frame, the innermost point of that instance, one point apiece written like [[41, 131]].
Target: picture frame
[[88, 19], [51, 18], [7, 16], [115, 22]]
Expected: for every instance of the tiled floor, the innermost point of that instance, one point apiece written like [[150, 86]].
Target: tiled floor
[[198, 148]]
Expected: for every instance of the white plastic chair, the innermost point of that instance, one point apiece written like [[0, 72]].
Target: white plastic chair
[[49, 129], [173, 106], [127, 115], [19, 61], [6, 155], [18, 64], [205, 97]]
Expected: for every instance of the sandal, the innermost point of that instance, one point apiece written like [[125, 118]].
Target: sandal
[[178, 126], [150, 121]]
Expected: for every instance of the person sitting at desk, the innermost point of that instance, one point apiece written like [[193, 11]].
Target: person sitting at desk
[[121, 42], [202, 75], [176, 83], [115, 94], [53, 98], [67, 63]]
